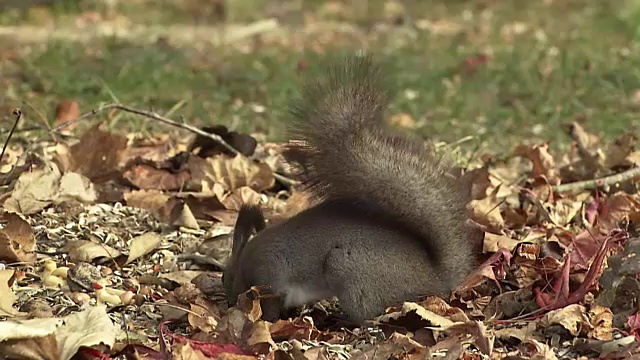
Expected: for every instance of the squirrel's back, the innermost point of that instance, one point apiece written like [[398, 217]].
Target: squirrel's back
[[348, 154]]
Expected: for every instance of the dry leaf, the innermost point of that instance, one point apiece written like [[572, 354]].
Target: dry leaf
[[571, 317], [563, 211], [34, 190], [142, 245], [430, 318], [40, 188], [7, 297], [74, 186], [231, 173], [618, 151], [184, 351], [241, 196], [493, 242], [66, 111], [259, 338], [86, 251], [86, 328], [487, 212], [201, 318], [17, 241], [181, 277], [148, 177], [536, 350], [97, 154], [543, 163], [601, 319]]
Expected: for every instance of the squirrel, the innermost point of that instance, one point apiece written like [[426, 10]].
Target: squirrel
[[390, 222]]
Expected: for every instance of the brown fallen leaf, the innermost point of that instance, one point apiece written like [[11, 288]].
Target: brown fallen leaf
[[618, 151], [201, 318], [66, 110], [616, 208], [601, 319], [42, 187], [572, 317], [241, 196], [57, 338], [205, 147], [487, 212], [148, 177], [493, 242], [142, 245], [258, 338], [97, 154], [34, 190], [231, 173], [543, 163], [184, 351], [86, 251], [7, 296], [17, 240], [169, 209]]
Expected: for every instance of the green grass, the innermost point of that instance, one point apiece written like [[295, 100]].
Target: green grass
[[578, 58]]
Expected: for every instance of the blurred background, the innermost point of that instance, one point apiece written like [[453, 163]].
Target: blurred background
[[493, 72]]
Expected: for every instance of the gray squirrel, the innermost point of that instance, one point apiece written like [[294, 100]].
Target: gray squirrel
[[390, 224]]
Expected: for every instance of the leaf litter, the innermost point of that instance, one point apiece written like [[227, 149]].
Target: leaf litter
[[112, 246]]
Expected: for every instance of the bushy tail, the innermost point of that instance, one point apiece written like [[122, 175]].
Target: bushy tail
[[347, 152]]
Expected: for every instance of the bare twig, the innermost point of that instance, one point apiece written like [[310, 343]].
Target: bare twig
[[154, 116], [18, 115], [592, 184]]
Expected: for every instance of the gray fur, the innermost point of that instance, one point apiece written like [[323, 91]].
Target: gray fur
[[391, 225]]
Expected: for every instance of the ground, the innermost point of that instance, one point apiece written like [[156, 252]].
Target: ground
[[531, 97]]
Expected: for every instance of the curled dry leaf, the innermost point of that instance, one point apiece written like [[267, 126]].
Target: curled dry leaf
[[258, 339], [601, 319], [616, 208], [571, 317], [493, 242], [17, 241], [142, 245], [231, 173], [59, 338], [66, 110], [238, 197], [97, 154], [149, 177], [40, 188], [407, 315], [543, 163], [7, 296], [535, 349], [171, 210], [184, 351], [562, 212], [206, 147], [34, 190], [86, 250], [618, 151], [201, 318], [487, 212]]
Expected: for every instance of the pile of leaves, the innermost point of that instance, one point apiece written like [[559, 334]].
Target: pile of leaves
[[112, 247]]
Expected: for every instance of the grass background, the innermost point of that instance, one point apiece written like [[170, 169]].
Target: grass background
[[549, 62]]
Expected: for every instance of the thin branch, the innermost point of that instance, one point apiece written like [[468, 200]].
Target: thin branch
[[592, 184], [193, 129], [18, 115], [154, 116]]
